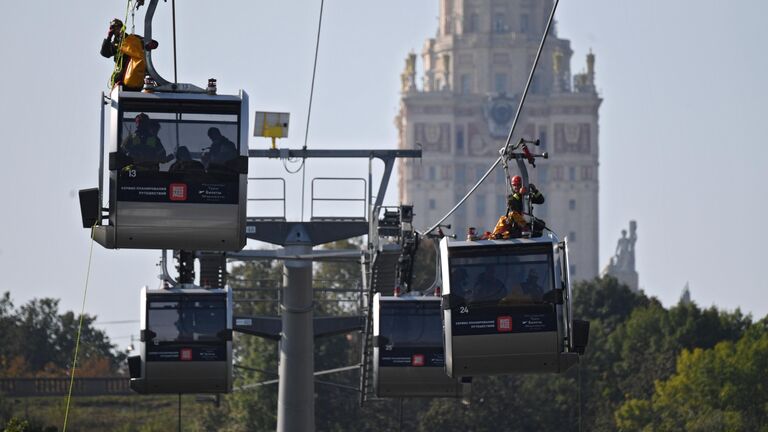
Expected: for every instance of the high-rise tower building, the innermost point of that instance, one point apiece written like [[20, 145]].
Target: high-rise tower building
[[459, 114]]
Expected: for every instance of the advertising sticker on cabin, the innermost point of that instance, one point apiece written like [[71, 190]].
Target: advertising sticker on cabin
[[480, 322], [408, 357], [196, 191]]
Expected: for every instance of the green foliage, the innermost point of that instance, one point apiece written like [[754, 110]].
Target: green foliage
[[16, 425], [38, 340], [721, 388], [607, 301]]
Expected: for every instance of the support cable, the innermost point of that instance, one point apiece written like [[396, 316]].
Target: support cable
[[173, 19], [514, 122], [309, 110], [79, 332]]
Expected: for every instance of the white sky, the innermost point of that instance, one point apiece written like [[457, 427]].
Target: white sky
[[681, 126]]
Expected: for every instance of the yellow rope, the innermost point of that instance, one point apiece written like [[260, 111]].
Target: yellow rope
[[119, 54], [79, 331]]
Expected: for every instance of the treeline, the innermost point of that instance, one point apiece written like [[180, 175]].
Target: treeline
[[38, 341]]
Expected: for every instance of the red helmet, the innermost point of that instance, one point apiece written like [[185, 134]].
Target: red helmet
[[517, 181]]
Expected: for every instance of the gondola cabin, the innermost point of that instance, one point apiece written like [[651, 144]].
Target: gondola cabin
[[408, 358], [506, 307], [186, 342], [177, 167]]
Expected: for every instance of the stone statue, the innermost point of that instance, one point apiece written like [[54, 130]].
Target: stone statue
[[622, 263], [557, 69], [557, 59], [624, 257], [619, 259], [408, 76]]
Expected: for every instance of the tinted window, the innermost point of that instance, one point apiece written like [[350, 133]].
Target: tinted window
[[414, 324], [179, 142], [501, 275], [187, 319]]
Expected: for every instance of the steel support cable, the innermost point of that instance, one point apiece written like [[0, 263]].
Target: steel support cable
[[79, 331], [309, 110], [173, 20], [514, 122]]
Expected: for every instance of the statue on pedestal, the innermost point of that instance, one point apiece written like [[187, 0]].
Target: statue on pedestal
[[622, 263], [408, 77]]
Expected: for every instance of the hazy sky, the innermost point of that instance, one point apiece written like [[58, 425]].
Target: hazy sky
[[682, 145]]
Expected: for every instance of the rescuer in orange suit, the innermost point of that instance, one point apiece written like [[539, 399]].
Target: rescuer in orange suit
[[514, 223], [129, 54]]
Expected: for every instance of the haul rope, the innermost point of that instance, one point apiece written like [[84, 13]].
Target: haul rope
[[79, 332]]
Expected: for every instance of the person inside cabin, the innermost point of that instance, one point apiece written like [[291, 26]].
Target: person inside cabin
[[531, 286], [129, 54], [222, 151], [185, 163], [142, 147], [488, 287]]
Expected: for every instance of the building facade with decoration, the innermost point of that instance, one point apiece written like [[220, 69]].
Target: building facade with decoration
[[460, 109]]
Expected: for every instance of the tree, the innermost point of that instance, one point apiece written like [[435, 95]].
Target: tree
[[38, 340], [721, 388]]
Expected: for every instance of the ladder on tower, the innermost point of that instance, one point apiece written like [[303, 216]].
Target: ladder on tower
[[380, 273]]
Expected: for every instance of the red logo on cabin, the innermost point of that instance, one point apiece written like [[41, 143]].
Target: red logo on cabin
[[504, 324], [417, 360], [185, 354], [177, 192]]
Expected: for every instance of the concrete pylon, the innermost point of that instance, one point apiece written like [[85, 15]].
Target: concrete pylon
[[296, 394]]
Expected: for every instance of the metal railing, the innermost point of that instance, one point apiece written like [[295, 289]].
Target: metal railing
[[323, 293], [281, 199], [362, 200], [34, 387]]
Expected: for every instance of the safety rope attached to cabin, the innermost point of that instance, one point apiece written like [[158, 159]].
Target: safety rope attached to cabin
[[79, 331], [119, 54]]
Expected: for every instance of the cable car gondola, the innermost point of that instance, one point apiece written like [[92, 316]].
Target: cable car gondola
[[506, 307], [408, 357], [177, 172], [186, 342]]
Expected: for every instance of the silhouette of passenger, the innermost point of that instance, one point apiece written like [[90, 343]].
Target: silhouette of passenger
[[531, 286], [223, 151], [185, 163], [488, 287], [143, 147]]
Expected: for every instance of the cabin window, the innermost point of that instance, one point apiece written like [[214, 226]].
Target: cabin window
[[412, 325], [496, 277], [186, 320], [178, 142]]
